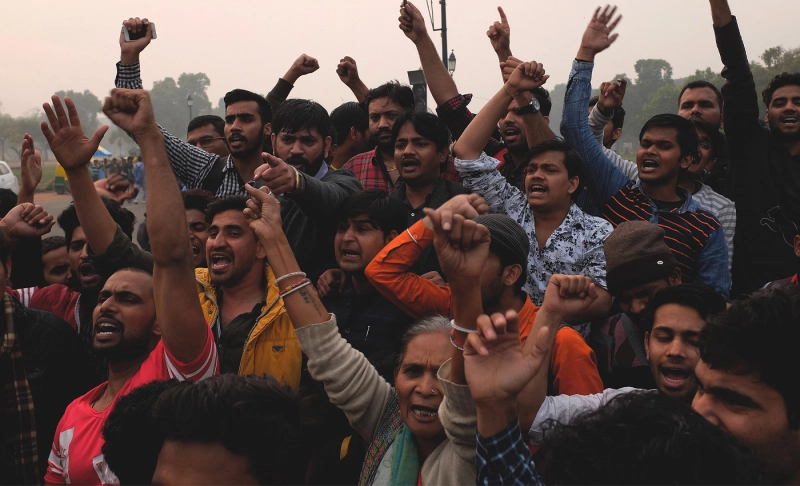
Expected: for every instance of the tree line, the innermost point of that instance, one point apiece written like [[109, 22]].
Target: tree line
[[653, 91]]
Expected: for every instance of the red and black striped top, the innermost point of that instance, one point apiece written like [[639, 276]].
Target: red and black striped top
[[687, 229]]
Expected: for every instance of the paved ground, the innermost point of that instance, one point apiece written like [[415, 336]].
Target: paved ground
[[54, 204]]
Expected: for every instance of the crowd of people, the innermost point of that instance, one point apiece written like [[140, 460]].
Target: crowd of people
[[387, 296]]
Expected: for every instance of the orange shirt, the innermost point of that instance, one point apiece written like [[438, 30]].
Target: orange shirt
[[573, 364]]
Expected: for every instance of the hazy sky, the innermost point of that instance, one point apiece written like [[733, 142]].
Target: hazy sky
[[49, 45]]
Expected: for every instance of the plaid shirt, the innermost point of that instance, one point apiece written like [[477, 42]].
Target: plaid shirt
[[19, 449], [505, 459], [190, 164], [456, 115], [370, 170]]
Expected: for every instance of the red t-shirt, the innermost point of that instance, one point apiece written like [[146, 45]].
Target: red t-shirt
[[76, 456]]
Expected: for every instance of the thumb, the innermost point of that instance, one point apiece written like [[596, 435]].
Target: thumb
[[98, 135]]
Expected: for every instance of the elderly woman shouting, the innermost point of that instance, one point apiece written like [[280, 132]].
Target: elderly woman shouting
[[423, 430]]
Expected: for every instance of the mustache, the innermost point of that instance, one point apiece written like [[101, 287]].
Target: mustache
[[298, 160]]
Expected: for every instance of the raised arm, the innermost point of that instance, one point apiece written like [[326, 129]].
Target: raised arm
[[388, 272], [441, 84], [537, 129], [74, 150], [525, 77], [183, 327], [603, 177], [30, 171], [351, 382], [303, 65], [499, 35], [739, 94], [348, 74]]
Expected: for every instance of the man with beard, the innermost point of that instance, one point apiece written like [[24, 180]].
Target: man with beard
[[148, 327], [248, 118], [96, 249], [377, 168], [241, 301], [311, 192], [765, 163], [667, 146]]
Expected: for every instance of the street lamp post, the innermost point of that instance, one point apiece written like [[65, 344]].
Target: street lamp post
[[190, 102], [442, 29], [451, 63]]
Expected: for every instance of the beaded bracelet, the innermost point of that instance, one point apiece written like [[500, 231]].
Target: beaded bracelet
[[459, 328], [455, 342], [277, 280], [295, 288]]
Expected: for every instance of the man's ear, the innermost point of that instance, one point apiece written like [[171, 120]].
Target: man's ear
[[796, 247], [511, 274], [574, 183], [327, 148], [260, 252], [156, 328], [273, 138], [721, 121], [392, 235], [268, 129], [355, 134], [686, 161], [647, 345], [616, 134], [546, 119]]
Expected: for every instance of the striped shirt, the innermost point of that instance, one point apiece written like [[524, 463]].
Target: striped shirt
[[190, 164], [687, 229], [705, 197], [694, 235]]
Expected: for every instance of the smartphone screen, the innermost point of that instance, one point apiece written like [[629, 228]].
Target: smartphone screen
[[132, 36]]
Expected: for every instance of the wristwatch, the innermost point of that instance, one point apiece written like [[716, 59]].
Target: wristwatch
[[532, 107]]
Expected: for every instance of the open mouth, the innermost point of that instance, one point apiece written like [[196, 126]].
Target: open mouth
[[219, 262], [106, 327], [424, 412], [351, 254], [675, 376], [234, 139], [195, 250], [537, 189], [789, 120], [87, 273], [409, 163], [649, 165]]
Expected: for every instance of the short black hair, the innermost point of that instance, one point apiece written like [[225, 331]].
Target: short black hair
[[228, 203], [687, 135], [427, 125], [198, 199], [68, 219], [200, 121], [779, 81], [384, 212], [643, 437], [618, 119], [758, 335], [399, 93], [132, 439], [572, 159], [237, 95], [543, 97], [702, 298], [251, 416], [346, 116], [297, 114], [8, 199], [53, 243], [701, 83]]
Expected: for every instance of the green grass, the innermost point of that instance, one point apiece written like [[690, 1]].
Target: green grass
[[48, 176]]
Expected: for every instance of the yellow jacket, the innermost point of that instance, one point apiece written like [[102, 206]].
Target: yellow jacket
[[272, 346]]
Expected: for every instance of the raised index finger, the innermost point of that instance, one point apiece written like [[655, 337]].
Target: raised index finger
[[503, 18]]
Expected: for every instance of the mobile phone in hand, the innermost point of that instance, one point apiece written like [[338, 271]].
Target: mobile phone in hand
[[132, 36]]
